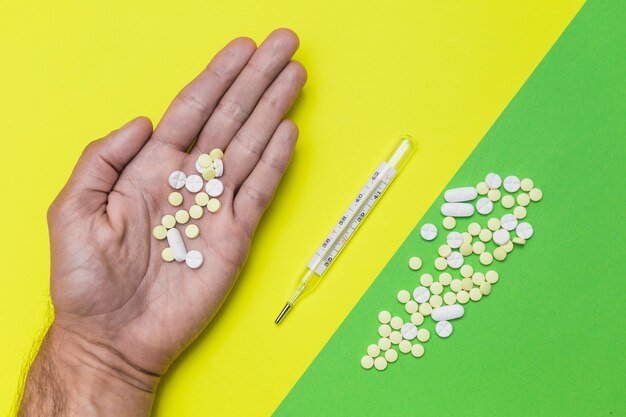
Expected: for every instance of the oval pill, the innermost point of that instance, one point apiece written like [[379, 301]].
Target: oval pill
[[195, 211], [218, 166], [367, 362], [457, 209], [458, 195], [428, 231], [159, 232], [175, 241]]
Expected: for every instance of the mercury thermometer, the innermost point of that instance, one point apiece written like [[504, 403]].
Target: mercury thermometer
[[350, 221]]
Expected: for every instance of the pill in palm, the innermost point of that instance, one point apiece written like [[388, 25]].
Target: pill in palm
[[216, 153], [428, 231], [194, 183], [195, 212], [484, 206], [458, 195], [194, 259], [204, 160], [168, 221], [182, 216], [175, 241], [213, 205], [443, 329], [208, 174], [177, 180], [511, 183], [457, 209], [192, 231], [218, 166], [159, 232], [167, 255]]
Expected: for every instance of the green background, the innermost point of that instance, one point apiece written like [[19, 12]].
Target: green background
[[550, 339]]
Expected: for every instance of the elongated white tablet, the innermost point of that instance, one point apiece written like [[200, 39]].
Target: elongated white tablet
[[177, 180], [175, 241], [450, 312], [421, 294], [457, 209], [524, 230], [458, 195]]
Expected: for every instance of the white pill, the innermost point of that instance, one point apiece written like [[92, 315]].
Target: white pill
[[524, 230], [194, 259], [454, 240], [501, 236], [455, 260], [177, 180], [194, 183], [508, 222], [493, 181], [421, 294], [457, 209], [408, 331], [214, 187], [175, 241], [428, 231], [443, 329], [199, 168], [512, 183], [450, 312], [458, 195], [484, 206], [218, 166]]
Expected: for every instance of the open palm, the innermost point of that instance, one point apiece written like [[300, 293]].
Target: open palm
[[108, 281]]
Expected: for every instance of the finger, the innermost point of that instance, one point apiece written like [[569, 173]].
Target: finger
[[237, 104], [191, 108], [258, 189], [244, 151]]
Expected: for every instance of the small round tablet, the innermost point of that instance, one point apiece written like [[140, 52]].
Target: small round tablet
[[485, 258], [425, 309], [426, 280], [194, 259], [484, 206], [195, 211], [499, 254], [454, 240], [373, 350], [395, 337], [485, 235], [475, 294], [535, 194], [208, 174], [474, 229], [182, 216], [192, 231], [167, 255], [435, 301], [384, 343], [367, 362], [417, 319], [177, 180], [508, 201], [494, 195], [428, 231], [391, 355], [462, 296], [478, 248], [501, 236], [467, 284], [384, 330], [415, 263], [202, 199], [417, 350], [214, 187], [445, 278], [441, 264], [449, 298], [467, 238], [493, 180], [478, 278], [405, 346], [421, 294], [508, 246], [492, 277], [456, 285], [444, 251], [396, 322], [411, 307], [519, 212], [527, 184], [218, 166], [384, 317], [485, 288], [523, 199], [449, 222], [482, 188], [199, 168], [194, 183], [216, 153], [175, 198], [404, 296], [467, 271], [493, 224], [213, 205], [508, 222], [443, 328], [204, 160], [408, 331], [455, 260], [168, 221], [511, 183], [436, 288], [524, 230], [423, 335], [159, 232]]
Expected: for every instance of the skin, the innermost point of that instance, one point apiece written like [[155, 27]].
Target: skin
[[122, 315]]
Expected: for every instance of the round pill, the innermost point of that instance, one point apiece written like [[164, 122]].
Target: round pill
[[492, 277], [417, 350], [384, 330], [485, 258], [478, 248], [482, 188], [508, 222], [443, 328], [485, 288], [404, 296], [436, 288], [511, 183], [475, 294], [373, 351], [455, 260], [518, 241], [421, 294], [493, 181], [444, 251], [519, 212], [192, 231], [467, 271], [508, 201], [467, 238], [204, 160], [425, 309], [454, 240], [499, 254], [523, 199], [384, 317], [175, 199], [395, 337], [194, 259], [524, 230], [167, 255], [408, 331], [405, 346], [535, 194], [367, 362], [199, 168], [168, 221], [208, 174], [216, 153], [449, 222], [445, 278], [508, 247], [435, 301], [485, 235], [426, 280], [428, 231], [449, 298], [391, 355], [202, 199], [415, 263], [474, 229], [501, 236], [195, 211], [411, 307], [467, 284], [417, 319], [214, 187], [396, 322], [493, 224], [465, 249], [494, 195], [159, 232], [380, 363], [478, 278], [527, 184], [218, 166], [384, 343], [441, 264], [213, 205], [423, 335], [182, 216], [177, 180], [456, 285], [462, 296], [193, 183], [484, 206]]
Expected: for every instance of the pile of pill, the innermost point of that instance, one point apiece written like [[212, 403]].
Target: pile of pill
[[460, 278], [210, 167]]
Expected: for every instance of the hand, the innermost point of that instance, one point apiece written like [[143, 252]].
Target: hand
[[117, 304]]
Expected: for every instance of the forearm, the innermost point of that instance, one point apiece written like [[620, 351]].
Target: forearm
[[73, 376]]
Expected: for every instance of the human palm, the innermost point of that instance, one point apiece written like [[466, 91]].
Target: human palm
[[108, 282]]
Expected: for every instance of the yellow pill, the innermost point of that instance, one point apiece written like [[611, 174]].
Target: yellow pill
[[485, 235], [202, 199], [391, 355], [426, 309], [168, 221], [449, 222], [508, 246], [535, 194], [395, 337], [175, 198], [411, 307], [159, 232], [426, 280], [486, 258], [485, 288], [380, 363], [196, 211], [436, 288], [417, 350], [475, 294], [449, 298], [466, 249], [384, 330], [462, 297], [441, 264], [208, 174], [493, 224], [423, 335], [214, 205], [216, 153], [417, 319], [444, 251], [499, 254], [508, 201], [523, 199], [167, 255], [404, 346], [478, 278], [519, 212], [205, 160], [492, 277], [478, 247], [192, 231], [482, 188], [493, 195], [467, 284], [182, 216], [445, 278], [467, 271], [403, 296], [519, 241], [473, 229], [467, 238], [527, 184], [435, 301], [456, 285]]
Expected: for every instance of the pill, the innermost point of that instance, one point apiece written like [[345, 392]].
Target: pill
[[445, 278], [508, 201], [428, 231], [182, 216], [391, 355], [202, 199], [435, 301], [199, 168], [449, 298], [485, 258], [467, 284], [467, 238], [492, 277], [218, 166], [436, 288], [519, 212], [167, 255], [508, 222], [195, 211], [405, 346], [519, 241], [367, 362], [499, 254], [396, 322], [441, 264], [475, 294], [204, 160], [417, 350], [415, 263], [494, 195], [523, 199], [404, 296], [395, 337], [417, 319], [380, 363], [478, 278], [455, 260], [373, 350], [458, 195], [527, 184], [168, 221], [524, 230], [508, 247], [194, 183], [465, 249], [384, 330], [478, 248], [493, 224], [449, 222], [535, 194], [384, 343], [467, 271], [485, 235], [444, 251], [474, 229], [493, 180], [454, 240], [485, 288], [456, 285], [421, 295], [482, 188], [175, 199], [425, 309], [411, 307], [175, 241], [216, 153], [462, 296], [501, 236], [426, 280], [423, 335], [443, 329], [177, 180], [159, 232], [408, 331], [192, 231], [484, 206], [213, 205], [214, 187], [208, 174], [511, 183], [384, 317], [457, 209]]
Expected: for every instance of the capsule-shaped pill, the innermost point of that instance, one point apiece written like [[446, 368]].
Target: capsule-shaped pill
[[457, 195], [457, 209], [175, 241], [448, 313]]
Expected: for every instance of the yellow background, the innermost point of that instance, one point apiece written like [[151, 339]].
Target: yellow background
[[71, 71]]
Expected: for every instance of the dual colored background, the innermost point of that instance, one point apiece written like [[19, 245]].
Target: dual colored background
[[549, 341]]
